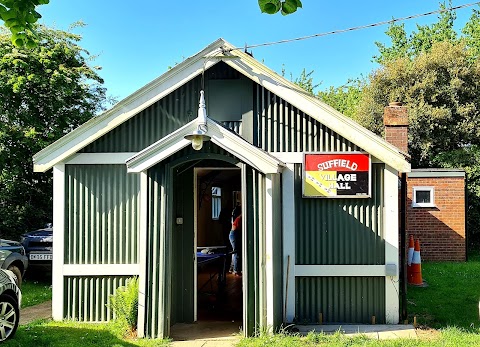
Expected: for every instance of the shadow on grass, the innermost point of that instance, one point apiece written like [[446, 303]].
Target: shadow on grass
[[43, 335]]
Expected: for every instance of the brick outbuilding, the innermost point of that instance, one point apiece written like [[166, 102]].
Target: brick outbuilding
[[436, 213], [435, 198]]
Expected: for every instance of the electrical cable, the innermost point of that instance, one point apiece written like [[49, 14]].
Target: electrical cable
[[391, 21]]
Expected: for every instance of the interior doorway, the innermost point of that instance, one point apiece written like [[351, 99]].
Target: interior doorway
[[218, 294]]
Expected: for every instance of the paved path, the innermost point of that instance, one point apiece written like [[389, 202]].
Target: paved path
[[40, 311], [196, 335]]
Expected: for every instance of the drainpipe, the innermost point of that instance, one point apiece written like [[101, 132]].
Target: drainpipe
[[403, 240]]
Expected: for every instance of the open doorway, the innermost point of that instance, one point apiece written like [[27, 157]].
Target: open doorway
[[218, 290]]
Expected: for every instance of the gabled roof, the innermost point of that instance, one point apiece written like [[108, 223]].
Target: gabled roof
[[224, 138], [194, 66]]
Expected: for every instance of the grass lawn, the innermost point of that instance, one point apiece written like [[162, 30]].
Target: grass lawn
[[74, 334], [452, 297], [450, 304], [450, 337], [36, 290]]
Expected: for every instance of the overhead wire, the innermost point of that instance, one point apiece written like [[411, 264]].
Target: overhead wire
[[391, 21]]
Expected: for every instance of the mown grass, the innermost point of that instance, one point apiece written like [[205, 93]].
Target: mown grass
[[74, 334], [448, 337], [449, 304], [452, 297], [35, 291]]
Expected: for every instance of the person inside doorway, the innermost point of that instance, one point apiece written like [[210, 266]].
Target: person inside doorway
[[236, 241]]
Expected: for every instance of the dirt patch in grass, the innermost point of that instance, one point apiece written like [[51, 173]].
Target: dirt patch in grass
[[428, 334]]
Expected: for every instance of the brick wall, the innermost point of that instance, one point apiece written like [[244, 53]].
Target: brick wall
[[395, 119], [397, 136], [440, 229]]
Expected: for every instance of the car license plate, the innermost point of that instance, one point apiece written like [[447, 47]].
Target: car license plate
[[41, 256]]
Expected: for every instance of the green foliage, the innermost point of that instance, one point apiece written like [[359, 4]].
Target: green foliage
[[419, 41], [471, 34], [19, 17], [441, 90], [45, 92], [124, 304], [306, 81], [344, 98], [286, 7], [467, 158]]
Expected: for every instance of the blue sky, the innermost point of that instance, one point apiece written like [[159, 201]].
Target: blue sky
[[136, 41]]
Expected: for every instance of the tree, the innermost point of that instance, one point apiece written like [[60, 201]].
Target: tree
[[441, 89], [19, 17], [467, 158], [305, 81], [45, 92], [285, 7], [344, 98], [419, 41]]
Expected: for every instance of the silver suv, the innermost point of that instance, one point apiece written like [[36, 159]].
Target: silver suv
[[10, 301]]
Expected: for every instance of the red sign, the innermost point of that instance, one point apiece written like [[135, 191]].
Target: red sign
[[336, 175]]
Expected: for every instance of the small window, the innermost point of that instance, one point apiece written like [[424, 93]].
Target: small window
[[216, 202], [423, 197]]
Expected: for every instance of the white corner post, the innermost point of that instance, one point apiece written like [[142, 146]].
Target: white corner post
[[142, 252], [58, 240], [390, 225], [288, 218], [273, 252]]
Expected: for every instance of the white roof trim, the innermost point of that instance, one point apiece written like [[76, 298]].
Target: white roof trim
[[125, 109], [320, 111], [224, 138], [190, 68]]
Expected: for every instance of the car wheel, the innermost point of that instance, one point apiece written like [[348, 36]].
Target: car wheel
[[9, 317], [18, 274]]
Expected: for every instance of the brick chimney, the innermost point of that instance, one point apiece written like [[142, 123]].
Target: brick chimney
[[395, 119]]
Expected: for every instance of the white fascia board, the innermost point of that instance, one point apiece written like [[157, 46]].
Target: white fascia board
[[220, 136], [323, 113], [125, 109], [245, 151], [297, 157], [99, 158], [161, 149]]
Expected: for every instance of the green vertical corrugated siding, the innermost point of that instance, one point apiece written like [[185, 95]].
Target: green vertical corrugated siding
[[340, 299], [87, 298], [156, 264], [101, 206], [150, 125], [159, 234], [340, 231], [280, 127], [254, 244]]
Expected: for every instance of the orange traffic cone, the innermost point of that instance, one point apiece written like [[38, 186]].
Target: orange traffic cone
[[409, 258], [416, 267]]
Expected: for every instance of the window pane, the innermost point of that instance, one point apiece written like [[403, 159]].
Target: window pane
[[216, 207], [422, 197]]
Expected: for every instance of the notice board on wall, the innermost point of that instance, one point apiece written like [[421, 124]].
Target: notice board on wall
[[336, 175]]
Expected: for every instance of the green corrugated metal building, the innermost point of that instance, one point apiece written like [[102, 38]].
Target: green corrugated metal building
[[133, 198]]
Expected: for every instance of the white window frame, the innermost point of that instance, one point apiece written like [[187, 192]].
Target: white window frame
[[216, 202], [423, 204]]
